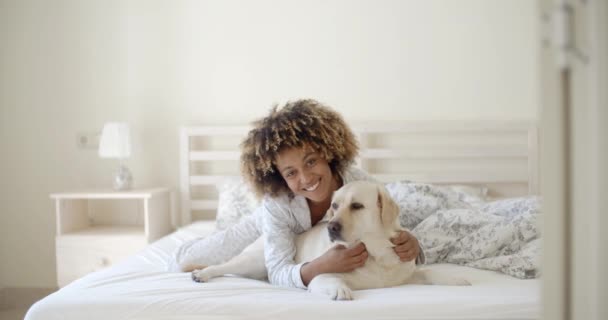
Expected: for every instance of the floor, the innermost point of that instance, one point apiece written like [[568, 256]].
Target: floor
[[13, 314], [14, 302]]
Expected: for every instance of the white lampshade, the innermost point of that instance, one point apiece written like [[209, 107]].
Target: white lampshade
[[115, 141]]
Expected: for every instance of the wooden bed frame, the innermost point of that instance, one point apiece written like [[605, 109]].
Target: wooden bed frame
[[501, 155]]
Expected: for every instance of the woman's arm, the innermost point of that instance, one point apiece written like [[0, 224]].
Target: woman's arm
[[279, 246], [336, 260]]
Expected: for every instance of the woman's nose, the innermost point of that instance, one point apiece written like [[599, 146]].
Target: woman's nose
[[306, 177]]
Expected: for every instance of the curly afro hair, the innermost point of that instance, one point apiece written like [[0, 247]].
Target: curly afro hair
[[301, 123]]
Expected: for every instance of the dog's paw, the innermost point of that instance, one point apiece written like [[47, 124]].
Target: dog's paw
[[335, 290], [200, 275], [341, 293], [334, 293]]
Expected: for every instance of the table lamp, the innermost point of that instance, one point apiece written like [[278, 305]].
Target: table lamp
[[115, 143]]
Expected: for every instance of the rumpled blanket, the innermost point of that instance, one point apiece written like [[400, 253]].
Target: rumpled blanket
[[457, 225]]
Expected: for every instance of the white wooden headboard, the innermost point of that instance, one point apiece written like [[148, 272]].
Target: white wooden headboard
[[502, 155]]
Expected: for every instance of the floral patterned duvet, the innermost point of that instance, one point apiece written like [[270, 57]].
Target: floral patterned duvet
[[456, 225]]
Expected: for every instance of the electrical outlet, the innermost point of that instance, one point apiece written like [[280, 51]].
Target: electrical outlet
[[88, 140]]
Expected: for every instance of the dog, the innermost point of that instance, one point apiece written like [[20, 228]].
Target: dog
[[360, 211]]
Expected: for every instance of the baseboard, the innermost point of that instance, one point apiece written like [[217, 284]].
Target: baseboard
[[11, 298]]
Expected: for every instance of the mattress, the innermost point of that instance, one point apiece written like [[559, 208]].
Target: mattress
[[140, 288]]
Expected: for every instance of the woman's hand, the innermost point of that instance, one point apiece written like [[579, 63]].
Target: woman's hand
[[341, 259], [336, 260], [406, 246]]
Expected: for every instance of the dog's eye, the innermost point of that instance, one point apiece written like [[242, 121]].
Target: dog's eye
[[356, 206], [334, 206]]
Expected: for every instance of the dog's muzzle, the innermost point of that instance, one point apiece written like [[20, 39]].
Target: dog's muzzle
[[335, 229]]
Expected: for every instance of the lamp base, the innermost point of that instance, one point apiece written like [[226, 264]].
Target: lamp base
[[123, 180]]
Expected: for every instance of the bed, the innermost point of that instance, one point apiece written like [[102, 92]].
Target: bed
[[478, 165]]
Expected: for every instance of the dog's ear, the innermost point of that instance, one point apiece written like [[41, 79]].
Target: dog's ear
[[389, 211]]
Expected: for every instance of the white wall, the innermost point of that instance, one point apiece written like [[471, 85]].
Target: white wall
[[68, 66]]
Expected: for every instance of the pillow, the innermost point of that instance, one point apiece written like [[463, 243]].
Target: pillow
[[511, 207], [417, 201], [235, 201], [475, 196]]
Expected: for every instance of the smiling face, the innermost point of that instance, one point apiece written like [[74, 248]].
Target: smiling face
[[307, 174]]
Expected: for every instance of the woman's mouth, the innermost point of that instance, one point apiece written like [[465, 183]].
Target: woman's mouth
[[313, 187]]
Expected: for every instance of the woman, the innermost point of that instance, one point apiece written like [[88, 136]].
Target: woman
[[295, 158]]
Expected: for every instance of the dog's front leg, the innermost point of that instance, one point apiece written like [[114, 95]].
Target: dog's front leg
[[331, 285], [249, 264]]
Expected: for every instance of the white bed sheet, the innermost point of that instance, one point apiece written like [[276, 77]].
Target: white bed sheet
[[140, 288]]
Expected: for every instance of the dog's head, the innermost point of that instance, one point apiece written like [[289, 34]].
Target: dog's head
[[360, 208]]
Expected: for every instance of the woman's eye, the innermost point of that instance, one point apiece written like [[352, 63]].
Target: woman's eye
[[312, 162], [289, 174]]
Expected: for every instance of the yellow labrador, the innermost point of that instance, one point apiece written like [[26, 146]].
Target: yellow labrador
[[361, 211]]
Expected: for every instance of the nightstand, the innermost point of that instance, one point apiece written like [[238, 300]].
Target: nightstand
[[96, 229]]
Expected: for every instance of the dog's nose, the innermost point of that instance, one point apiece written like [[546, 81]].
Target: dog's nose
[[334, 229]]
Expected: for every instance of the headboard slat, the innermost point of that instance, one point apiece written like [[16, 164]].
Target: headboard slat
[[502, 155]]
